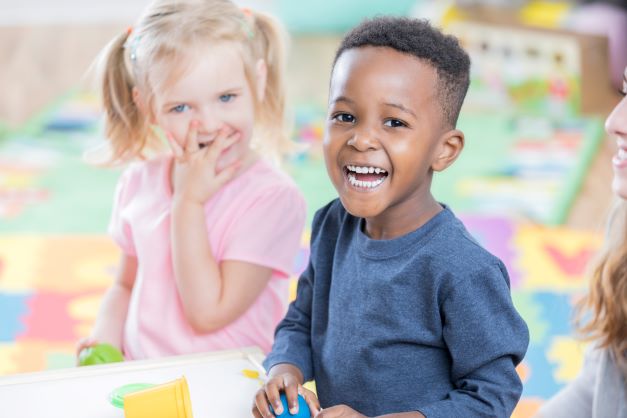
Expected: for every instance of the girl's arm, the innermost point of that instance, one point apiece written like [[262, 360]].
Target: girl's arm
[[213, 294], [112, 314]]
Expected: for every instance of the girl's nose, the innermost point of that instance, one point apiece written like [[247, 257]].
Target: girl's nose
[[616, 122], [208, 122]]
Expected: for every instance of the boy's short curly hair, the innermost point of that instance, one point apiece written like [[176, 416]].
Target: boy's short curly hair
[[418, 38]]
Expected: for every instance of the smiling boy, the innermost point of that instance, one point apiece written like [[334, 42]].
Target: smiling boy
[[400, 312]]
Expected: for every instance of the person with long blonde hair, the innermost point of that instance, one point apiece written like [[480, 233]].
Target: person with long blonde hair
[[209, 227], [600, 390]]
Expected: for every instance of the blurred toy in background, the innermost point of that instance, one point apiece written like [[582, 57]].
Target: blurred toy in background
[[607, 18], [540, 166], [81, 112], [308, 132], [544, 57], [520, 68]]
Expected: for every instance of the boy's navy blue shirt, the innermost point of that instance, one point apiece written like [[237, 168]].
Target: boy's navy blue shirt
[[423, 322]]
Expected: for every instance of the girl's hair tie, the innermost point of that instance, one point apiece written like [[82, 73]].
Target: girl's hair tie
[[248, 22]]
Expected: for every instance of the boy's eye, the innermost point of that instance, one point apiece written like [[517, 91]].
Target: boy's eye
[[225, 98], [179, 108], [394, 123], [344, 118]]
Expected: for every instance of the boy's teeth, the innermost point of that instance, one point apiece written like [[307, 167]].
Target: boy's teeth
[[622, 154], [365, 170], [365, 184]]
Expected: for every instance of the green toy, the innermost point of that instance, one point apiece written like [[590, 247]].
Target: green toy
[[117, 396], [99, 354]]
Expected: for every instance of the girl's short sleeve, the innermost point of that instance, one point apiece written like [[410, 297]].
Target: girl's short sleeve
[[119, 226], [269, 231]]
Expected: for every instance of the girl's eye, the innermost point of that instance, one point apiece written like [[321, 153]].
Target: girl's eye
[[344, 118], [180, 108], [225, 98], [394, 123]]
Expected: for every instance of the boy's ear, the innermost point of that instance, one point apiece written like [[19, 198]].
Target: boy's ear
[[261, 70], [451, 145]]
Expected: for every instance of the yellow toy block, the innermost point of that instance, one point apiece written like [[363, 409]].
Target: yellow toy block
[[168, 400]]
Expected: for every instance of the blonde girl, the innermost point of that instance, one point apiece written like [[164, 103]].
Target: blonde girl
[[209, 229]]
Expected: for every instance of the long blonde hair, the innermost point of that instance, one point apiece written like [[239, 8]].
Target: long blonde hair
[[602, 314], [165, 33]]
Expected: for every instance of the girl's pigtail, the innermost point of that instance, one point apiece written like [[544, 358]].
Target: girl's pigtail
[[125, 126], [270, 39]]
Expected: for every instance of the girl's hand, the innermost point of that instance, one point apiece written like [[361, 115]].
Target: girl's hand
[[196, 177], [339, 411], [269, 394], [84, 343]]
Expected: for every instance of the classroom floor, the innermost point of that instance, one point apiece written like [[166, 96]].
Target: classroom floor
[[54, 267]]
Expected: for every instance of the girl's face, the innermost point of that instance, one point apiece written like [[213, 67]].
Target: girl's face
[[213, 91], [616, 126]]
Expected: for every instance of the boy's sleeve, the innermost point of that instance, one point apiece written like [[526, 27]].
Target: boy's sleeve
[[487, 339], [269, 233], [119, 228], [292, 338]]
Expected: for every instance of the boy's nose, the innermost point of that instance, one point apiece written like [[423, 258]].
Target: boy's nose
[[363, 140]]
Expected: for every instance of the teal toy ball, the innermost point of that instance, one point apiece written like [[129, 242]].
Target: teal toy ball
[[303, 409], [99, 354]]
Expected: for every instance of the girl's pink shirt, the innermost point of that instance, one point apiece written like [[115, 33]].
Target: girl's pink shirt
[[257, 218]]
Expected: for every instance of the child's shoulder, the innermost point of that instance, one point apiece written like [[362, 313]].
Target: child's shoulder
[[264, 176], [456, 247], [331, 213], [140, 171], [263, 184]]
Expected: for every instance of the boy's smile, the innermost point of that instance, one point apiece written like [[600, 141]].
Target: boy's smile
[[385, 135], [365, 177]]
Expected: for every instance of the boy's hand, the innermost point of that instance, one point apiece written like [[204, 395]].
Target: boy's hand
[[339, 411], [197, 176], [311, 399], [284, 378]]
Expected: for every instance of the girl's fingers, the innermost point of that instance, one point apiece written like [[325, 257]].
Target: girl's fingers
[[220, 144], [84, 343], [176, 148], [191, 140], [227, 174]]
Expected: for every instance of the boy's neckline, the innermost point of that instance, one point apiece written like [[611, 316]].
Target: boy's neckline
[[402, 223], [386, 248]]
